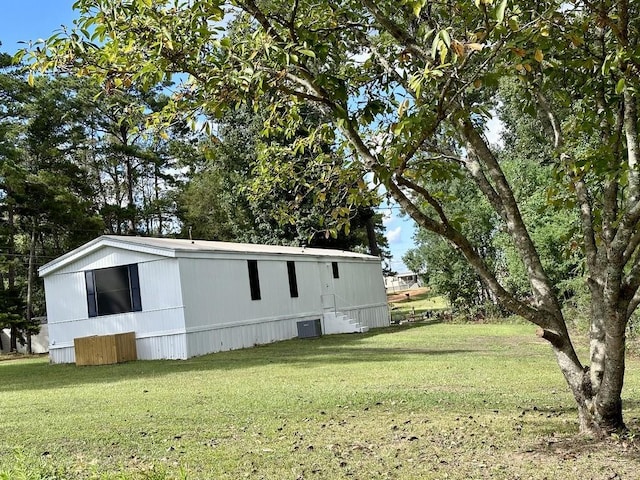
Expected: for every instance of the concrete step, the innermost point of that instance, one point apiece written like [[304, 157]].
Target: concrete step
[[337, 322]]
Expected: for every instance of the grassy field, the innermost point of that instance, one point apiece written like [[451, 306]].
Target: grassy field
[[416, 401], [411, 305]]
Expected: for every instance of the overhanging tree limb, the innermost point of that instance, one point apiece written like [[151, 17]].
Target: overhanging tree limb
[[397, 32]]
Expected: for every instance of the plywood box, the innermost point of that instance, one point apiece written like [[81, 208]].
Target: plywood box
[[105, 349]]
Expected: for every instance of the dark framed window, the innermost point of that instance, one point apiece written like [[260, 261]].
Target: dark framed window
[[293, 281], [334, 267], [113, 290], [254, 279]]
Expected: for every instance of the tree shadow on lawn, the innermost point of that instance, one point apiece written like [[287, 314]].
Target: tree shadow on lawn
[[326, 350], [620, 454]]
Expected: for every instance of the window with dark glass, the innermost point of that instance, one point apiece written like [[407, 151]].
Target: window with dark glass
[[113, 290], [334, 266], [254, 280], [293, 281]]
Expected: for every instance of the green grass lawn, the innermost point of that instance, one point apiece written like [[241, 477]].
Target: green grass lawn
[[419, 401]]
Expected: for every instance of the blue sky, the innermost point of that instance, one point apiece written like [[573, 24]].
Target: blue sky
[[32, 19], [26, 20], [400, 231]]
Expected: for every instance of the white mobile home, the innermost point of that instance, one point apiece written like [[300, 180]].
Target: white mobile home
[[184, 298], [39, 342], [402, 281]]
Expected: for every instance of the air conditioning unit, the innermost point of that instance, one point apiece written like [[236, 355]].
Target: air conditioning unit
[[309, 329]]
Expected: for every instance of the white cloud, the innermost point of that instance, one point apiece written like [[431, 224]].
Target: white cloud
[[361, 57], [394, 236], [493, 130], [387, 217]]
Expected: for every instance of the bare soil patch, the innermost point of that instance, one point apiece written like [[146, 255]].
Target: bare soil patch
[[19, 356], [402, 296]]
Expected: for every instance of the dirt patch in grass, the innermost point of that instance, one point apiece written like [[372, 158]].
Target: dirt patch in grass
[[20, 356], [585, 458], [402, 296]]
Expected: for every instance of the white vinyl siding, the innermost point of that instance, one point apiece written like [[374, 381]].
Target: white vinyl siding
[[163, 314]]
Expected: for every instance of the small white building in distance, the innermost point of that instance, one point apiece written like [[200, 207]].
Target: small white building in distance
[[184, 298], [402, 281]]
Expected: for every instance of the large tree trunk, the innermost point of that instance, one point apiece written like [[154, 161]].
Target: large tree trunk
[[607, 400], [580, 386]]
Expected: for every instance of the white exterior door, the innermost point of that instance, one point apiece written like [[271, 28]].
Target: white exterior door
[[328, 288]]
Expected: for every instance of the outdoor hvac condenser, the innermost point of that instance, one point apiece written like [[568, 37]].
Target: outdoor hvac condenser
[[309, 329]]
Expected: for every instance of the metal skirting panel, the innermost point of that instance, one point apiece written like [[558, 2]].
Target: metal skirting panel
[[145, 324], [240, 336], [376, 316], [62, 355], [180, 345], [170, 346], [233, 337], [163, 347]]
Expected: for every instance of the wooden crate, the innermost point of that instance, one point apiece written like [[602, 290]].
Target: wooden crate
[[105, 349]]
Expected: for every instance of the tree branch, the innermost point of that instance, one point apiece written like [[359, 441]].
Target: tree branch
[[634, 241], [633, 147], [304, 95], [390, 70], [464, 86], [627, 229], [553, 120], [252, 9], [457, 240], [586, 216], [633, 305], [397, 32], [475, 170], [631, 284], [540, 284], [553, 338], [292, 25], [402, 181]]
